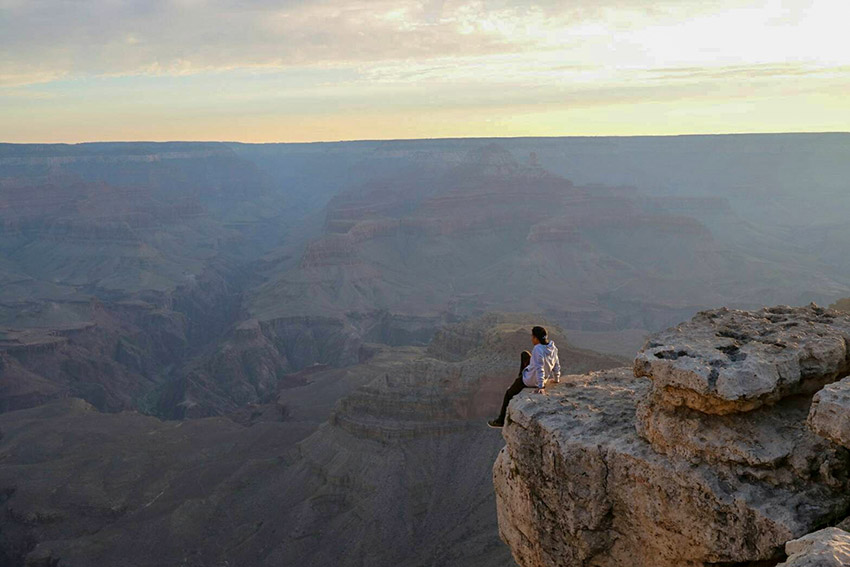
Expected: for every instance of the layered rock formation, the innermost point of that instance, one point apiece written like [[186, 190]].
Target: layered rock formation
[[484, 230], [182, 245], [118, 264], [116, 353], [708, 461], [408, 444]]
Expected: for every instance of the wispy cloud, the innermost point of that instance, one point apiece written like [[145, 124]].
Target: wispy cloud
[[750, 72], [64, 38]]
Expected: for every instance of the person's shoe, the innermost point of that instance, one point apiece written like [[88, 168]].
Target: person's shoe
[[495, 423]]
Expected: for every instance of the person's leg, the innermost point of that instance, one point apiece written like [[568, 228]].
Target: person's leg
[[524, 360], [515, 389]]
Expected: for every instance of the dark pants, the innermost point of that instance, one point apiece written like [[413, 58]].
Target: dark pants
[[517, 386], [515, 389]]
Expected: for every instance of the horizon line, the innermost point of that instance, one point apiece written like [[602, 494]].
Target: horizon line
[[426, 139]]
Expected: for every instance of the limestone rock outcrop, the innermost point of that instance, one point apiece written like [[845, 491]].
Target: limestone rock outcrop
[[824, 548], [830, 414], [709, 461], [725, 361]]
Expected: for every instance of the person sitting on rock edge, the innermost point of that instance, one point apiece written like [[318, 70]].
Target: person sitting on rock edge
[[536, 367]]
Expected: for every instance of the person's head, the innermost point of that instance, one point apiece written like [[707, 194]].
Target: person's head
[[539, 336]]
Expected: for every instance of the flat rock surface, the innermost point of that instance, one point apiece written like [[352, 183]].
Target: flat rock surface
[[576, 485], [725, 361], [830, 413], [825, 548]]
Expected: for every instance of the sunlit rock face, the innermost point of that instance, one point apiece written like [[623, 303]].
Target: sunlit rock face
[[830, 414], [726, 361], [825, 548], [610, 469]]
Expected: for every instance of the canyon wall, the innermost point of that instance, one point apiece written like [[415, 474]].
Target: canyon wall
[[188, 279]]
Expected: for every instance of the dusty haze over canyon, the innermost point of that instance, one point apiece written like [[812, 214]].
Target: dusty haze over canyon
[[285, 354]]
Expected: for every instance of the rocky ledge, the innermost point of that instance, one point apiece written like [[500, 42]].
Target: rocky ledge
[[727, 361], [709, 460]]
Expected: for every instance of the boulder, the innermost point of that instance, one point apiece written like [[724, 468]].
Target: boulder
[[824, 548], [726, 361], [830, 413]]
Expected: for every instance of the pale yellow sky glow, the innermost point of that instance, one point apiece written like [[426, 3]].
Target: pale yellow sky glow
[[307, 70]]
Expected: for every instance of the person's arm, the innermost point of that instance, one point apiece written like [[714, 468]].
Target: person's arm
[[556, 370]]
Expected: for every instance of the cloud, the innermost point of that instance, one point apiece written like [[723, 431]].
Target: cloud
[[94, 37], [749, 72]]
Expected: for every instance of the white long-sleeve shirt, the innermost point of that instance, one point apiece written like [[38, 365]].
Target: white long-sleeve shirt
[[543, 366]]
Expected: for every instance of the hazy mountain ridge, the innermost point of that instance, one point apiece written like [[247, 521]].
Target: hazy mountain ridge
[[487, 232], [329, 246], [139, 251]]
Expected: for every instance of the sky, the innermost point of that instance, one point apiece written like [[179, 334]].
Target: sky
[[313, 70]]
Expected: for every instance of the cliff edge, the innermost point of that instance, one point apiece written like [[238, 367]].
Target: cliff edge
[[709, 451]]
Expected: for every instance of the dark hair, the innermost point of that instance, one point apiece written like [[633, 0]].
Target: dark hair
[[540, 333]]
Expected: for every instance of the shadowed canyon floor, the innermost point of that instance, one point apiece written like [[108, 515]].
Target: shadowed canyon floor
[[395, 473]]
